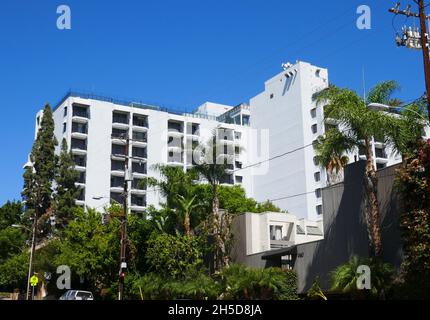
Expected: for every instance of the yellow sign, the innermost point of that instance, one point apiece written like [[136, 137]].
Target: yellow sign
[[34, 281]]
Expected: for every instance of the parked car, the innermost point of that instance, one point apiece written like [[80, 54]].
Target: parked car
[[77, 295]]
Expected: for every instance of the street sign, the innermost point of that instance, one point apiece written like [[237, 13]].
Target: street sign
[[34, 281]]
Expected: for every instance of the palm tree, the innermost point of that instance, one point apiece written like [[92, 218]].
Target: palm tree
[[330, 153], [187, 205], [213, 170], [360, 125], [344, 278]]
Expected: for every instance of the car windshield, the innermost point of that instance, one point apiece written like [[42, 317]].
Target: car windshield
[[84, 295]]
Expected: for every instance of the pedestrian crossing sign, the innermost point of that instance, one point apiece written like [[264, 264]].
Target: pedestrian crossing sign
[[34, 281]]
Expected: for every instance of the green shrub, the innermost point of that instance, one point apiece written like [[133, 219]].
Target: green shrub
[[244, 283], [156, 287], [344, 277], [174, 256]]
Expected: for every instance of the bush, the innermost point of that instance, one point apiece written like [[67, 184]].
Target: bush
[[413, 181], [156, 287], [244, 283], [174, 256], [344, 277]]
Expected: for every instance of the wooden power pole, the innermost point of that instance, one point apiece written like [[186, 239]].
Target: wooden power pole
[[417, 39]]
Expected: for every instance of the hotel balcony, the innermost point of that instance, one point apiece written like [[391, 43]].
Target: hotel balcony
[[78, 146], [79, 130], [140, 123], [137, 202], [139, 138], [175, 129], [138, 169], [120, 120], [80, 113]]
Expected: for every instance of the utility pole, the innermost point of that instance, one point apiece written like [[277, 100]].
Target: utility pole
[[415, 39], [30, 264], [123, 244]]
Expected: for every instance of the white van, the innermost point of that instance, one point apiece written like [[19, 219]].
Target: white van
[[77, 295]]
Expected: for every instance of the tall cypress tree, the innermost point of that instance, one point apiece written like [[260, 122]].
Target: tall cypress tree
[[67, 192], [38, 178]]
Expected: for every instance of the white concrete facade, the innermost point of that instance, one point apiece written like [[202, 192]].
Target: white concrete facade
[[287, 109], [273, 230], [158, 137]]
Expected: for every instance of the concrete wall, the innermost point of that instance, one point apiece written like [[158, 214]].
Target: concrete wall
[[345, 232], [284, 108]]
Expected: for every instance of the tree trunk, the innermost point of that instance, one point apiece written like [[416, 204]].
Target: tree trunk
[[187, 224], [373, 214], [216, 229]]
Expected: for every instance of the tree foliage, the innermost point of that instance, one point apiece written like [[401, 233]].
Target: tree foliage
[[38, 178], [344, 277], [359, 124], [66, 190], [90, 249], [174, 256], [413, 180]]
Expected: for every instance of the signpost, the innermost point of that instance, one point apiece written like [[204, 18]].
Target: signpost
[[34, 280]]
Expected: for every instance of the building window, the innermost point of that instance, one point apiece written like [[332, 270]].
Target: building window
[[139, 152], [64, 127], [79, 127], [119, 133], [318, 193], [237, 135], [315, 160], [65, 111], [80, 111], [299, 229], [319, 210], [82, 176], [138, 167], [380, 166], [139, 201], [80, 161], [314, 113], [117, 182], [117, 165], [314, 128], [317, 176], [140, 121], [118, 150], [275, 232], [380, 153], [239, 179], [116, 198]]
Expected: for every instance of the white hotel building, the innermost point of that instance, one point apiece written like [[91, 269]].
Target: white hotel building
[[283, 121]]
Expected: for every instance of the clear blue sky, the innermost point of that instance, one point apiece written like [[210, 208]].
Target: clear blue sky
[[180, 54]]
